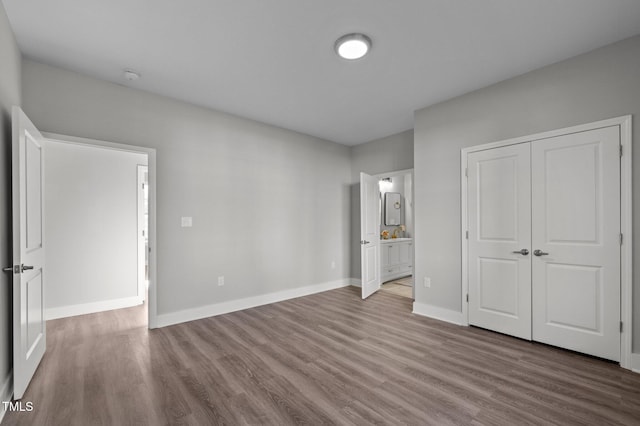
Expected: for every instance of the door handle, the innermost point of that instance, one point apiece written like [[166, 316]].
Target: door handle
[[363, 242], [24, 267], [15, 269], [538, 252], [523, 252]]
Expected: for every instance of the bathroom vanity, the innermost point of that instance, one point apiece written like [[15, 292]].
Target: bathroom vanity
[[396, 258]]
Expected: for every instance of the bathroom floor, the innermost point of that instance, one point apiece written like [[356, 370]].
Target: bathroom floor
[[401, 287]]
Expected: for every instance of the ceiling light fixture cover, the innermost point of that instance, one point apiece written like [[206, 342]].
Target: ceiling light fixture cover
[[353, 46]]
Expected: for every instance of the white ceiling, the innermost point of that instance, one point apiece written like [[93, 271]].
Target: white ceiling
[[273, 60]]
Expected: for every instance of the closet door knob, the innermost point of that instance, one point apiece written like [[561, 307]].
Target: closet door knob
[[538, 252], [523, 252]]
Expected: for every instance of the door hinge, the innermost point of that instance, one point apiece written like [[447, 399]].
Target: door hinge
[[620, 151], [621, 238], [466, 172], [467, 297], [143, 186], [466, 235], [620, 326]]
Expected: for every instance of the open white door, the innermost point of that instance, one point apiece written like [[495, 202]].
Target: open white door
[[29, 331], [369, 234]]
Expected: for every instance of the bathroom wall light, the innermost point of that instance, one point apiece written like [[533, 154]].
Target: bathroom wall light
[[385, 184], [353, 46]]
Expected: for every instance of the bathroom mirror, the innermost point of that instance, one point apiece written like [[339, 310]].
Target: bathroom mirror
[[392, 208]]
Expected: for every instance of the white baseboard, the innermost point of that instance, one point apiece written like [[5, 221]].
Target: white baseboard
[[178, 317], [6, 392], [635, 363], [356, 282], [438, 313], [91, 308]]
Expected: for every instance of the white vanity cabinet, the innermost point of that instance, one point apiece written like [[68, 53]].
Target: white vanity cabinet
[[396, 258]]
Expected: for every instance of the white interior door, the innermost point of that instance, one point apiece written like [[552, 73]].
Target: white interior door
[[369, 234], [499, 206], [576, 228], [29, 330]]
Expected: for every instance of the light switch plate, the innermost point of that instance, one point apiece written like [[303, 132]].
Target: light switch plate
[[187, 222]]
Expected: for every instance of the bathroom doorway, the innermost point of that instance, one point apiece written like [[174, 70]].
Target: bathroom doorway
[[397, 227]]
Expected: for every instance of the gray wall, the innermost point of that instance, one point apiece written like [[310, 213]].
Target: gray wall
[[9, 95], [388, 154], [602, 84], [91, 213], [270, 207]]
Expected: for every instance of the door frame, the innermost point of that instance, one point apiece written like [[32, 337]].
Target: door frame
[[398, 173], [141, 169], [151, 164], [626, 217]]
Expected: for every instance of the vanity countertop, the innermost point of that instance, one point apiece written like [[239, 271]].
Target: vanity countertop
[[395, 240]]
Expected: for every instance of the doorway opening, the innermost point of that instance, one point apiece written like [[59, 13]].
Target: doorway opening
[[396, 233], [387, 229], [114, 223], [59, 181]]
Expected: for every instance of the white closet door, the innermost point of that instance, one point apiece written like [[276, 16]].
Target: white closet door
[[499, 203], [576, 228]]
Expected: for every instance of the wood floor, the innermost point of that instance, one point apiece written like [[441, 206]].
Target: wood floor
[[397, 289], [330, 358]]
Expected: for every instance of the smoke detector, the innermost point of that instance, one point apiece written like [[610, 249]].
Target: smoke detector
[[131, 75]]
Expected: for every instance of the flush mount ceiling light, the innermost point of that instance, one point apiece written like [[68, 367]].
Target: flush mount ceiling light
[[353, 46]]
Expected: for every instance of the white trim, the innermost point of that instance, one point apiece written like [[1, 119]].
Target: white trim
[[6, 392], [91, 308], [141, 169], [635, 363], [356, 282], [151, 163], [626, 220], [394, 173], [464, 229], [626, 252], [438, 313], [246, 303], [617, 121]]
